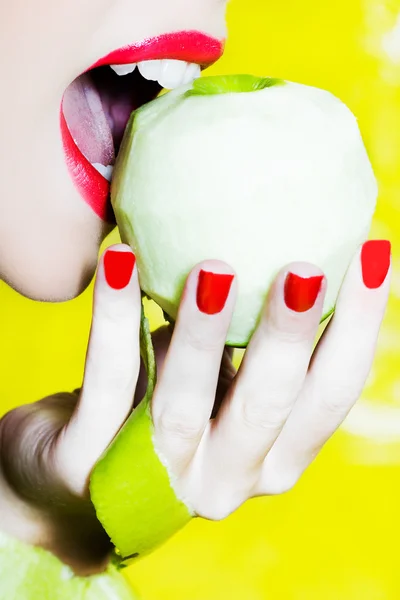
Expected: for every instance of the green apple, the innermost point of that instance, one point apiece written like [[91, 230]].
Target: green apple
[[256, 172]]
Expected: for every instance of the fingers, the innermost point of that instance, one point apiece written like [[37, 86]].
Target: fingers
[[339, 369], [185, 393], [272, 373], [112, 364]]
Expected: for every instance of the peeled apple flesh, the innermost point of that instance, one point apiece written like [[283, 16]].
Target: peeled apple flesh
[[256, 172]]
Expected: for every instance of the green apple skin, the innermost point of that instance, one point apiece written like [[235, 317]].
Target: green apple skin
[[131, 487], [257, 172]]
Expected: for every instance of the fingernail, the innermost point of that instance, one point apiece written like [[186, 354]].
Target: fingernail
[[375, 262], [213, 291], [118, 268], [301, 292]]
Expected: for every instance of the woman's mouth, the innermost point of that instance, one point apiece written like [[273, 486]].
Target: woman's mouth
[[97, 105]]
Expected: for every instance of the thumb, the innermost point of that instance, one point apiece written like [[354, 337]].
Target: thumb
[[111, 370]]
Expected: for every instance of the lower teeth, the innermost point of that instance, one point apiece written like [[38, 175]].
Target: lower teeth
[[105, 171]]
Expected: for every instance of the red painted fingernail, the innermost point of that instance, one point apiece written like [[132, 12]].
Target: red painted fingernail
[[301, 292], [375, 262], [213, 291], [118, 268]]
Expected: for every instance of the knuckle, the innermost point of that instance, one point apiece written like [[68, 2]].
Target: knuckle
[[289, 331], [339, 400], [180, 425], [121, 369], [265, 417], [109, 314], [201, 342], [331, 395], [291, 337], [106, 316], [281, 483], [113, 326], [219, 508], [217, 513], [113, 373]]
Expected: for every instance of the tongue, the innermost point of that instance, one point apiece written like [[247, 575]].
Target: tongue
[[87, 122]]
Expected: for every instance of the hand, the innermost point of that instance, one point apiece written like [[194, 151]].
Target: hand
[[48, 449], [270, 419], [286, 400]]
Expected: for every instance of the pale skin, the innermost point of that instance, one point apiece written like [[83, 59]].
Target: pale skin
[[273, 417]]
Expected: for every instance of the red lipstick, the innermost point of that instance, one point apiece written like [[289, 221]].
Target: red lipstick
[[93, 187], [189, 46]]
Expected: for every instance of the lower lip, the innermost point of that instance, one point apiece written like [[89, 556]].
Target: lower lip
[[188, 46], [92, 186]]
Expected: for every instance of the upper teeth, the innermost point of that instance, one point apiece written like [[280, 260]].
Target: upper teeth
[[123, 69], [169, 73]]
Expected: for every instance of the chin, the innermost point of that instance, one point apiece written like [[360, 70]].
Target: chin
[[53, 280], [51, 289]]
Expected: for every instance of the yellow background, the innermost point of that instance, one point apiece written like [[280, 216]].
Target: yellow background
[[336, 535]]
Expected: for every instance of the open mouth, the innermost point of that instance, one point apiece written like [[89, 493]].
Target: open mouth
[[97, 105]]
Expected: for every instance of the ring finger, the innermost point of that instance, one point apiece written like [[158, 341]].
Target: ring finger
[[271, 375]]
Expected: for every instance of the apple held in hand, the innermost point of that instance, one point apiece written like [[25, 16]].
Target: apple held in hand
[[255, 172]]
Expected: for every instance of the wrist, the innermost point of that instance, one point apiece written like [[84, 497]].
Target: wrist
[[70, 532], [36, 506]]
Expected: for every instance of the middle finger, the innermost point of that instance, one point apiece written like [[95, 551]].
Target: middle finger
[[184, 396]]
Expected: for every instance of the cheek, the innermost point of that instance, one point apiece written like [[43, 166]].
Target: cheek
[[49, 237]]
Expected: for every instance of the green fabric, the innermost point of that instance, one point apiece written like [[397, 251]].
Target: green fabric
[[29, 573], [130, 487]]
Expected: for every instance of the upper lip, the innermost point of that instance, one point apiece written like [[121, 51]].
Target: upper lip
[[189, 46]]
